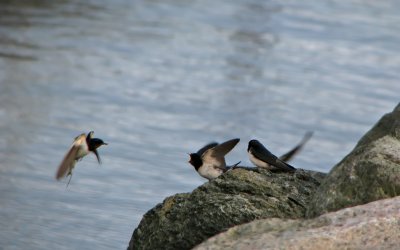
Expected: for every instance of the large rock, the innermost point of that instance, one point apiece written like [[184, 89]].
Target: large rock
[[372, 226], [239, 196], [370, 172]]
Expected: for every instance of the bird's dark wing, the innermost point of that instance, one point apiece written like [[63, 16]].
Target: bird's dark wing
[[263, 154], [284, 166], [222, 149], [206, 147], [67, 162], [216, 155], [260, 152], [289, 155], [97, 155]]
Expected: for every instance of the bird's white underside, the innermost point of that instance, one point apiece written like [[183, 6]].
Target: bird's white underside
[[259, 163], [210, 171]]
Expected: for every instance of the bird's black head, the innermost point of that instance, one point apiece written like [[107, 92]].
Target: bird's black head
[[195, 160], [95, 143], [252, 143]]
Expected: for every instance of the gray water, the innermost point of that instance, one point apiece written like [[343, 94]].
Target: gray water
[[157, 80]]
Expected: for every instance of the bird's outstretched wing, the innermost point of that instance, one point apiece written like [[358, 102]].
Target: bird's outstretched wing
[[206, 147], [67, 162], [69, 159], [222, 149], [216, 154], [289, 155]]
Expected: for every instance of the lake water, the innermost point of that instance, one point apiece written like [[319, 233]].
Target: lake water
[[157, 80]]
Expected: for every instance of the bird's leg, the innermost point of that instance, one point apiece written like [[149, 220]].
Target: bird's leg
[[70, 177]]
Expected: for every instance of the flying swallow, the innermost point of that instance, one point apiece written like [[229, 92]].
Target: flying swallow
[[209, 161], [262, 158], [82, 146]]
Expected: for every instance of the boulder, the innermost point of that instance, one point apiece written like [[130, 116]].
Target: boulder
[[372, 226], [241, 195], [370, 172]]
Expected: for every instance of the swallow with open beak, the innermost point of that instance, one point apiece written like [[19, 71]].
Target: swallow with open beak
[[209, 161]]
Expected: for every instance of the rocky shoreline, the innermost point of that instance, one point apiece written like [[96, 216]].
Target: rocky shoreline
[[278, 205], [375, 225]]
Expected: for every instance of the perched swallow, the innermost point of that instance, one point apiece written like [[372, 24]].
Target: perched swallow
[[81, 147], [262, 158], [289, 155], [209, 161]]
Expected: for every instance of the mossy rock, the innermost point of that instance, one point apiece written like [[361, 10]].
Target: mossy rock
[[370, 172], [239, 196]]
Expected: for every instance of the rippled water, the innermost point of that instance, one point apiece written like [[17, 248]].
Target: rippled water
[[157, 80]]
